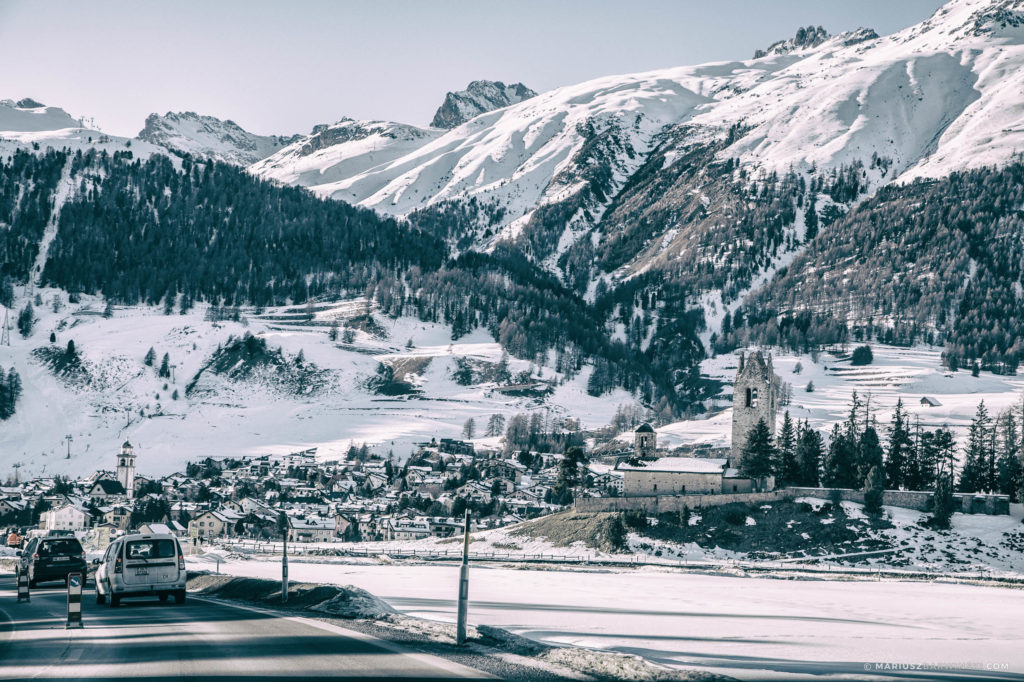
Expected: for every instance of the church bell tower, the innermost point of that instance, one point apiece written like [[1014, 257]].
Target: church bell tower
[[126, 468]]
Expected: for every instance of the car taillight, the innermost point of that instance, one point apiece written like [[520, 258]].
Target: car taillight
[[117, 566], [181, 562]]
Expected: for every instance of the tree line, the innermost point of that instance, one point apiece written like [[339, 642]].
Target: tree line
[[911, 457]]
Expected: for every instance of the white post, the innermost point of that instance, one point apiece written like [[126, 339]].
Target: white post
[[460, 628]]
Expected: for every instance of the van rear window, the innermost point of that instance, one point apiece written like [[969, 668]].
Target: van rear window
[[60, 547], [151, 549]]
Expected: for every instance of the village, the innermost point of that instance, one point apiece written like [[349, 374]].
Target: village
[[365, 497]]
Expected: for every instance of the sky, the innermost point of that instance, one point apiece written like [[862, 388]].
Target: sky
[[282, 67]]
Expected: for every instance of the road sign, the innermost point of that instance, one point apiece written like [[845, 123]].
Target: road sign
[[75, 581], [23, 593]]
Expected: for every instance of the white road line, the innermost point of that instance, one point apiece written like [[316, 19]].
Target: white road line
[[451, 667]]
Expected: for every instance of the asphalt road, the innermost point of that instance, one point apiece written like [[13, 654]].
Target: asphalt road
[[200, 640]]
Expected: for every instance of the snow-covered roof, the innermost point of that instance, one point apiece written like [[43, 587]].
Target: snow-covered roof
[[678, 465]]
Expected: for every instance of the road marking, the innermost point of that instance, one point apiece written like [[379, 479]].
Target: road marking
[[456, 669]]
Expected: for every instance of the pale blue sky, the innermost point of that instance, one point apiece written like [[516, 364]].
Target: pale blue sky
[[282, 67]]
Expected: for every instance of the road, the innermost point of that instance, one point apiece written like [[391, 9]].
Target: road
[[200, 640]]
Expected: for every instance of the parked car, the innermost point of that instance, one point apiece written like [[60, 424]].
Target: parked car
[[141, 565], [52, 557]]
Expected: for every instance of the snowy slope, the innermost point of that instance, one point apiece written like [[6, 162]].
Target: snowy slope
[[210, 137], [509, 157], [478, 98], [126, 399], [936, 97], [336, 152], [28, 124], [906, 374]]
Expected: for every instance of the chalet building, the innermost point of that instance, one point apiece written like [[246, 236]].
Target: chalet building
[[311, 529], [65, 517]]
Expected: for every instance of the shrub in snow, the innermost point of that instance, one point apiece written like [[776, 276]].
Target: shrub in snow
[[862, 355]]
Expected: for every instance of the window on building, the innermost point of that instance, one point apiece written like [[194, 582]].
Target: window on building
[[753, 397], [734, 488], [746, 403], [655, 487]]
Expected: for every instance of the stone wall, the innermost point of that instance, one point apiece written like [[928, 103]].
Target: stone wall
[[908, 499], [656, 504], [920, 500]]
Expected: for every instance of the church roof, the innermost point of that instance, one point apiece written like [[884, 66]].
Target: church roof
[[109, 487], [644, 428], [679, 465], [126, 444]]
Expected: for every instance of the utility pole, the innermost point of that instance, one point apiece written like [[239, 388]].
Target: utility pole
[[5, 335], [68, 438], [282, 524], [171, 367], [460, 628]]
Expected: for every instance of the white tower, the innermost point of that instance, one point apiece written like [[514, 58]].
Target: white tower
[[126, 469]]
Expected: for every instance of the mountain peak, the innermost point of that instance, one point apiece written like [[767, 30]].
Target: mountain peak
[[191, 133], [478, 98], [811, 36]]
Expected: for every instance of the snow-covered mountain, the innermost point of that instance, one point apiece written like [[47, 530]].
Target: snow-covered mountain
[[478, 98], [210, 137], [334, 153], [29, 124], [936, 97]]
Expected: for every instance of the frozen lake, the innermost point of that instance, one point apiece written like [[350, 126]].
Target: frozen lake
[[745, 627]]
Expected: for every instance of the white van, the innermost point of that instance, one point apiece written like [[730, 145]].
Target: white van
[[141, 565]]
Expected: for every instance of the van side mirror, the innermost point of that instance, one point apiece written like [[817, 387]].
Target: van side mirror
[[95, 562]]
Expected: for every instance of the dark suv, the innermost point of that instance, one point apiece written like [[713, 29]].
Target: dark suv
[[52, 557]]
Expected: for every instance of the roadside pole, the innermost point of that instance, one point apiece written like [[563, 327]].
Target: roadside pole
[[75, 581], [284, 571], [23, 592], [460, 628]]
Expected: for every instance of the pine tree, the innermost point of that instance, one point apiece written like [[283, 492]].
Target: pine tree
[[869, 453], [945, 448], [495, 425], [1009, 471], [808, 456], [874, 488], [974, 475], [165, 366], [332, 334], [899, 453], [785, 468], [150, 357], [26, 320], [942, 502], [839, 470], [759, 451], [469, 428]]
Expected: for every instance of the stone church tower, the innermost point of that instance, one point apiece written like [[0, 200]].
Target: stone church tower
[[645, 442], [753, 398], [126, 469]]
